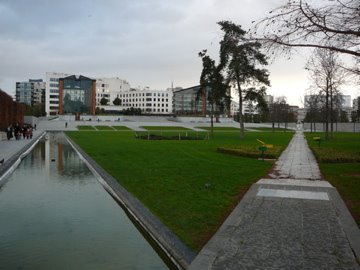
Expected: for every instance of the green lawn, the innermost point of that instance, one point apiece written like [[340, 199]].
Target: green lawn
[[344, 147], [339, 161], [103, 128], [85, 128], [121, 128], [187, 184], [164, 128]]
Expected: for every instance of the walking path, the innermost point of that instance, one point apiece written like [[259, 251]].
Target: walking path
[[294, 220]]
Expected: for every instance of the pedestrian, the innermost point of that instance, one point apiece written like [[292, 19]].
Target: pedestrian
[[65, 124]]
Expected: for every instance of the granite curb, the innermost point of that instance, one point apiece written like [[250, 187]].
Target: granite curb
[[170, 244]]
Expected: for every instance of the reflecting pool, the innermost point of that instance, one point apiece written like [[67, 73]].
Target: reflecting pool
[[55, 215]]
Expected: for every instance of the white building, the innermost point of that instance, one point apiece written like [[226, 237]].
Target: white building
[[52, 92], [110, 88], [234, 108], [149, 101]]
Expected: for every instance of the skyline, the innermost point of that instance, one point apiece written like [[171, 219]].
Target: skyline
[[148, 43]]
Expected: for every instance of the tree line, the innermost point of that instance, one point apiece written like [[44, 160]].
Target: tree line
[[331, 29]]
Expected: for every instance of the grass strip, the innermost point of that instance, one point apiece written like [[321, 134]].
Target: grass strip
[[103, 128], [121, 128], [83, 127]]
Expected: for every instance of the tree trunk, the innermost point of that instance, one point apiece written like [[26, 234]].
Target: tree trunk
[[241, 119], [331, 113], [327, 111], [212, 120]]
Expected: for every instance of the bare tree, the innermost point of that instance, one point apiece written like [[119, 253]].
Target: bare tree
[[279, 112], [327, 76], [333, 25]]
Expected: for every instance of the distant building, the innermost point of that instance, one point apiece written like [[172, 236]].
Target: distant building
[[77, 95], [346, 101], [269, 99], [31, 92], [189, 101], [234, 108], [110, 88], [356, 104], [149, 101], [52, 92]]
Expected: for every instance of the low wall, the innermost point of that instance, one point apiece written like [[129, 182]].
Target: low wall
[[341, 127], [194, 119]]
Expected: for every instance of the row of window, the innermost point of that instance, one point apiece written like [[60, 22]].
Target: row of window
[[145, 94], [147, 99], [144, 105]]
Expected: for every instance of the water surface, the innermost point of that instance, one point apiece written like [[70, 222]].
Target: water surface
[[55, 215]]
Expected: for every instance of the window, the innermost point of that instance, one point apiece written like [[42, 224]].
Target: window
[[148, 104], [148, 99], [148, 94]]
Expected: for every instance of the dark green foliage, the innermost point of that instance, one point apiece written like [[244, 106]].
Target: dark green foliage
[[239, 58], [104, 101], [117, 101], [217, 90]]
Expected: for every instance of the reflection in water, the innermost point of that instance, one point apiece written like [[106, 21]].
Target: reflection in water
[[55, 215]]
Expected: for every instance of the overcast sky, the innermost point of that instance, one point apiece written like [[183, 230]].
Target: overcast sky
[[146, 42]]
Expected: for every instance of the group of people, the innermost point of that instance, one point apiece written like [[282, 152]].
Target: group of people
[[17, 131]]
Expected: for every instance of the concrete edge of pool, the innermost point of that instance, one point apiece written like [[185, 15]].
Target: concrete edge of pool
[[176, 251]]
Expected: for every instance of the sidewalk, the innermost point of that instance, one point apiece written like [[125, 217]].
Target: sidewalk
[[10, 150], [293, 221]]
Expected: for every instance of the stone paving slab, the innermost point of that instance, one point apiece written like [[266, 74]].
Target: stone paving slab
[[280, 233]]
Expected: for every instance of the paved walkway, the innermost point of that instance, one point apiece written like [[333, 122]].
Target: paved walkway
[[292, 221]]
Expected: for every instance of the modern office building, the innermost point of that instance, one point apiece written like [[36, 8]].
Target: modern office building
[[190, 101], [77, 95], [110, 88], [52, 92], [31, 92], [193, 101]]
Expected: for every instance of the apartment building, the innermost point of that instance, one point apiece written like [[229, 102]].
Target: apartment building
[[52, 92], [31, 92], [110, 88]]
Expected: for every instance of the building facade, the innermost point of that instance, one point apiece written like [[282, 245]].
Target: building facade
[[110, 88], [148, 101], [190, 101], [31, 92], [52, 92], [11, 112], [193, 101], [77, 95]]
